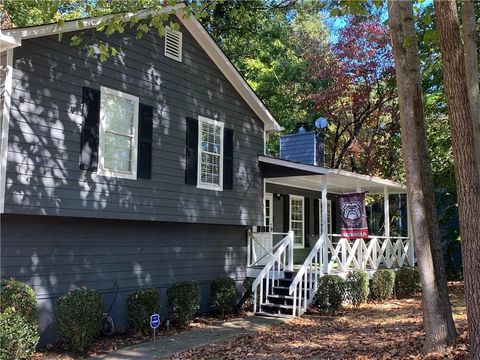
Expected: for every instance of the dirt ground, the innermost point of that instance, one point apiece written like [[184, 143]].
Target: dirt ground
[[390, 330]]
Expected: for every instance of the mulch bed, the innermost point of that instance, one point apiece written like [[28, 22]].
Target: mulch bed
[[390, 330]]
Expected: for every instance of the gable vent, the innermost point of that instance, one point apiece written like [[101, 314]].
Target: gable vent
[[173, 44]]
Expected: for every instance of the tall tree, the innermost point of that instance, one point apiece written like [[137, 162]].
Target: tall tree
[[466, 172], [437, 315], [471, 68], [356, 94]]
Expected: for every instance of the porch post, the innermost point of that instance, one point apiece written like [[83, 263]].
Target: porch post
[[386, 208], [324, 224], [362, 241]]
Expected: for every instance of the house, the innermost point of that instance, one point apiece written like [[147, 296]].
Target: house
[[150, 168]]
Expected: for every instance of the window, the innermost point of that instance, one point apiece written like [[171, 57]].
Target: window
[[268, 220], [118, 134], [297, 220], [329, 217], [173, 44], [210, 154]]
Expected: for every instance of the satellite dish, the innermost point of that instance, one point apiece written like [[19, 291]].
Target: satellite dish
[[321, 123]]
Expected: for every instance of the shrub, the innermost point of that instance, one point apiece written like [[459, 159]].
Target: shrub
[[407, 282], [183, 302], [223, 292], [357, 287], [78, 317], [247, 292], [383, 282], [18, 336], [19, 296], [141, 304], [330, 293]]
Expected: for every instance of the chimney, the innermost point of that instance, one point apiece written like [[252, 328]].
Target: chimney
[[303, 147]]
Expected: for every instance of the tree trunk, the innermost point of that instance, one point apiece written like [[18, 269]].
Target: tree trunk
[[471, 68], [466, 173], [437, 314]]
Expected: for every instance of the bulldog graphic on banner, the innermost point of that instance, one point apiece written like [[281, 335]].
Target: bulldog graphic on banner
[[353, 214]]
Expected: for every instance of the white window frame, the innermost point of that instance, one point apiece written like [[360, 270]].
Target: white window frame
[[297, 197], [180, 44], [269, 215], [200, 184], [101, 148]]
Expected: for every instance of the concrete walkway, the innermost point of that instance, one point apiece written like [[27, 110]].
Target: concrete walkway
[[186, 340]]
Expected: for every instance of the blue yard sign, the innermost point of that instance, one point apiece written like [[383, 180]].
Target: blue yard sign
[[154, 321]]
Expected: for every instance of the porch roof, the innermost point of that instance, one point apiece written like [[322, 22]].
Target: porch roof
[[290, 173]]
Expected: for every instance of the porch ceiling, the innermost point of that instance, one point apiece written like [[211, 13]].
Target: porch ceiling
[[311, 177]]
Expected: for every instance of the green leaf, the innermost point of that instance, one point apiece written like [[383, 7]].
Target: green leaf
[[430, 36]]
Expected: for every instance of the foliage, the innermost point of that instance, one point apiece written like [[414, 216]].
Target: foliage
[[78, 317], [183, 302], [270, 45], [407, 282], [223, 293], [357, 287], [18, 335], [330, 293], [141, 304], [383, 283], [356, 93], [248, 293], [20, 297]]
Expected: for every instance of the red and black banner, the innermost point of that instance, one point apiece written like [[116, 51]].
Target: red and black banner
[[353, 214]]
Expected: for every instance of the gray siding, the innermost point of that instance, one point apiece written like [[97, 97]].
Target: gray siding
[[43, 175], [298, 147], [55, 254]]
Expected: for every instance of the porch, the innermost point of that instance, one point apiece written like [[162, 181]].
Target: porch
[[300, 239]]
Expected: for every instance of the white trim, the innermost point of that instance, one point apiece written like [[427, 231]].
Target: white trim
[[268, 196], [8, 42], [200, 184], [326, 171], [196, 30], [5, 128], [101, 143], [177, 35], [297, 197]]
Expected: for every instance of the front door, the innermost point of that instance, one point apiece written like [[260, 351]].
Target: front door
[[297, 220]]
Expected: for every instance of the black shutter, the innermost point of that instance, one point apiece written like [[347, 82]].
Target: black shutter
[[144, 159], [316, 217], [89, 136], [191, 152], [286, 213], [306, 215], [228, 159]]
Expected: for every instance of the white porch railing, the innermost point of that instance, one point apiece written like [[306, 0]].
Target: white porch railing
[[261, 246], [280, 260], [305, 284], [369, 254]]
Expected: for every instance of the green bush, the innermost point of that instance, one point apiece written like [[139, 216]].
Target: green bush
[[78, 317], [18, 336], [357, 287], [183, 302], [330, 293], [383, 282], [247, 292], [21, 297], [141, 304], [407, 282], [223, 293]]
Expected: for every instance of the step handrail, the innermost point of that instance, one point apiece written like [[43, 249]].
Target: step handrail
[[309, 289], [286, 243]]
